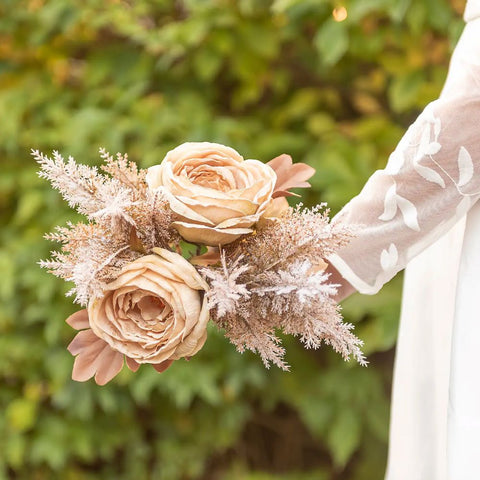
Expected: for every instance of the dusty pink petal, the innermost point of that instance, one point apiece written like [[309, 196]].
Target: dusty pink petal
[[161, 367], [83, 341], [132, 364], [94, 357], [289, 175], [319, 266], [277, 207], [108, 363], [79, 320]]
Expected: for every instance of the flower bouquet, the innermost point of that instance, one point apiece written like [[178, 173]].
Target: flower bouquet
[[205, 235]]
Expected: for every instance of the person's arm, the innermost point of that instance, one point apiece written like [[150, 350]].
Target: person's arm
[[345, 289], [431, 180]]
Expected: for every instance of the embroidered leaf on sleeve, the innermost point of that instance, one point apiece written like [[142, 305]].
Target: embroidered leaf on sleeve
[[390, 204], [465, 167], [389, 258], [426, 146], [409, 213], [393, 202], [428, 174], [425, 149]]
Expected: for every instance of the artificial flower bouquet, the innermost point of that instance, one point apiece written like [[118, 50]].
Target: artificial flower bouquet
[[205, 235]]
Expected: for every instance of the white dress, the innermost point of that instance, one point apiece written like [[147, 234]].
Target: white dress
[[421, 210]]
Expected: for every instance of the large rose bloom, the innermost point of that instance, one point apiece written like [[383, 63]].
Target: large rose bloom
[[155, 311], [216, 194]]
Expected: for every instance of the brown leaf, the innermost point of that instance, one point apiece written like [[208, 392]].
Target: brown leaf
[[210, 257], [135, 243], [289, 175]]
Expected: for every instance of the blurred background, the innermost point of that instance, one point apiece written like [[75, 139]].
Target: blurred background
[[334, 84]]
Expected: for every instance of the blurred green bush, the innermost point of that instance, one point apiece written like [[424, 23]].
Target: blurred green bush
[[141, 76]]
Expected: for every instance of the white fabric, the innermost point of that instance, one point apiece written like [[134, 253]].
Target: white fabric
[[431, 180], [464, 399], [472, 10]]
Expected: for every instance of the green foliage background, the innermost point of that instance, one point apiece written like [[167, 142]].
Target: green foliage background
[[141, 76]]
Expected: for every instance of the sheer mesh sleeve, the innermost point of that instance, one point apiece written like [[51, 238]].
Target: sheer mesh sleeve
[[430, 181]]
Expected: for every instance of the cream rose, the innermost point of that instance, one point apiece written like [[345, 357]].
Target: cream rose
[[154, 311], [217, 195]]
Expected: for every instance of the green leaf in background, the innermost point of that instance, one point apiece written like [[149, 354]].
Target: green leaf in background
[[344, 436], [331, 42]]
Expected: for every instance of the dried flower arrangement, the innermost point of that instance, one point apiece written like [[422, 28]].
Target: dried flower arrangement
[[258, 265]]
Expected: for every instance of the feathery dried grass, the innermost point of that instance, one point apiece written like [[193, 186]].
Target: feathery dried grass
[[125, 220], [271, 281]]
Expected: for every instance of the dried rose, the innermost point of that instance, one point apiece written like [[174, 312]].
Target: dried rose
[[154, 312], [217, 195]]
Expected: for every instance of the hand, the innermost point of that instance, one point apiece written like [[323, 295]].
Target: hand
[[345, 289]]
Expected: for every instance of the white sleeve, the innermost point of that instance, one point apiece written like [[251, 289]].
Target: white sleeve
[[431, 180]]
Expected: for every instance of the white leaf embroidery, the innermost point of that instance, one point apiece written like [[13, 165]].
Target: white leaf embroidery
[[432, 148], [429, 174], [390, 204], [409, 212], [393, 201], [465, 167], [389, 258], [426, 147], [424, 142]]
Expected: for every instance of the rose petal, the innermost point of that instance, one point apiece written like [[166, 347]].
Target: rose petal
[[208, 235], [217, 212], [161, 367], [184, 269], [109, 363], [195, 341], [94, 357], [290, 175], [79, 320], [132, 364]]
